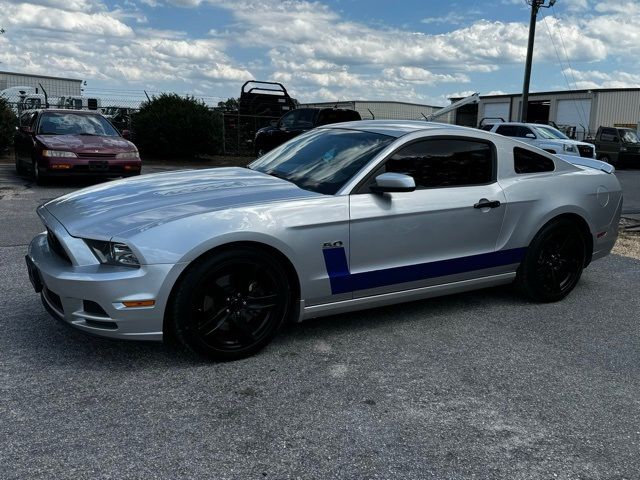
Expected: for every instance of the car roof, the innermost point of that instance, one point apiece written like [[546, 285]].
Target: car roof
[[66, 110], [394, 128], [524, 123]]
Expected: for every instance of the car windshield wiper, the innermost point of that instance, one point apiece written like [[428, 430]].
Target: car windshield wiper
[[86, 134], [49, 133]]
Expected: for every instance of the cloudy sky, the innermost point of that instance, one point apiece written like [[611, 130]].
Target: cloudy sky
[[413, 50]]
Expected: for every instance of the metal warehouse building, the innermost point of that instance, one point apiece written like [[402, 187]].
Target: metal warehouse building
[[577, 112], [381, 110], [55, 86]]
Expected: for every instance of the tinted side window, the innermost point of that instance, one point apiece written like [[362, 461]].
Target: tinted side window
[[609, 135], [290, 118], [523, 131], [305, 117], [444, 163], [525, 161], [508, 130]]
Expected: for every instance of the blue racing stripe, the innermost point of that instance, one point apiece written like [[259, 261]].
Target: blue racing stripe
[[336, 261], [342, 281]]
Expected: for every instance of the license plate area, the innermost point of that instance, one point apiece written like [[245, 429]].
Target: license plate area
[[98, 166]]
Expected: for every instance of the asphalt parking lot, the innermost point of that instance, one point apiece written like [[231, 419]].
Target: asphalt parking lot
[[479, 385]]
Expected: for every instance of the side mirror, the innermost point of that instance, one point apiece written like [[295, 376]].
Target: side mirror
[[126, 134], [530, 135], [393, 182], [26, 129], [273, 123]]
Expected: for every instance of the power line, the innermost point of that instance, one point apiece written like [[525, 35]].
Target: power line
[[579, 108], [566, 54]]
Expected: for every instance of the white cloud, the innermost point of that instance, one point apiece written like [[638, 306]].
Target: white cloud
[[596, 79], [308, 45], [425, 77]]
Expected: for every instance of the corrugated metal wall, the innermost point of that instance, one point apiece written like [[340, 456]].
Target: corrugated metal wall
[[55, 87], [617, 108], [386, 110]]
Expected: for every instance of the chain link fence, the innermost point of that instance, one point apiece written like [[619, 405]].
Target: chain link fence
[[238, 130]]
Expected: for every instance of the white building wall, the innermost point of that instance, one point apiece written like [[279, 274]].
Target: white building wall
[[386, 110], [55, 87], [617, 108]]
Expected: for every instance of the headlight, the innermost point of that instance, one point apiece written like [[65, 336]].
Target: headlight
[[569, 148], [113, 253], [623, 149], [128, 155], [58, 154]]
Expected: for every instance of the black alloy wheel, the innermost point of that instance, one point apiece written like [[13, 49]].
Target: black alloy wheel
[[554, 262], [232, 304]]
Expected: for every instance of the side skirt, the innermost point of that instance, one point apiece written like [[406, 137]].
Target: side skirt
[[391, 298]]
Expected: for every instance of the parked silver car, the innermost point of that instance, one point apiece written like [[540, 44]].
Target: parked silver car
[[344, 217]]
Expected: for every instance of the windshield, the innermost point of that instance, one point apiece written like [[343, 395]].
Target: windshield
[[53, 123], [629, 136], [322, 160], [550, 133]]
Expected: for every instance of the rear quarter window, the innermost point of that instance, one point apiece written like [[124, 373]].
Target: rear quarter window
[[525, 161]]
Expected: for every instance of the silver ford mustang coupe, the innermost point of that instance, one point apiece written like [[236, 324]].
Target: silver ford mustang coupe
[[345, 217]]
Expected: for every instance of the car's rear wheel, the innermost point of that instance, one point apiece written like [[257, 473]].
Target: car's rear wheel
[[19, 167], [231, 304], [554, 262]]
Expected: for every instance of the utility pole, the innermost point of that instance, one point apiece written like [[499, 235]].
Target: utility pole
[[535, 6]]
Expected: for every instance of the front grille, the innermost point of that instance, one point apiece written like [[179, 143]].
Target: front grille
[[96, 155], [585, 151], [56, 246]]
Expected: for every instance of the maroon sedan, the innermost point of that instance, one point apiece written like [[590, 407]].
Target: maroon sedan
[[71, 142]]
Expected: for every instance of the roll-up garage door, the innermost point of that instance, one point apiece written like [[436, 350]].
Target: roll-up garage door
[[497, 110], [574, 113]]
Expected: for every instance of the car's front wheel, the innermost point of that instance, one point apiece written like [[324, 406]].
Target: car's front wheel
[[231, 304], [38, 177], [554, 262]]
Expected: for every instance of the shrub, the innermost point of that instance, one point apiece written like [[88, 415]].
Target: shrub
[[177, 127], [8, 122]]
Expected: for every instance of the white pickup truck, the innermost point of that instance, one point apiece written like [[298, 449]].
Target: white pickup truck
[[545, 137]]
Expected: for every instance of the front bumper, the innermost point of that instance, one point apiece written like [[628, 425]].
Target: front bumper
[[61, 167], [90, 297]]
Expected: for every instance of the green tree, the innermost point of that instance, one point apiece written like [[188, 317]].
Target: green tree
[[8, 122], [178, 127], [229, 105]]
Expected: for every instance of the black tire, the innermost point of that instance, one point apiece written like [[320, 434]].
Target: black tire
[[20, 170], [553, 263], [230, 305], [38, 177], [606, 158]]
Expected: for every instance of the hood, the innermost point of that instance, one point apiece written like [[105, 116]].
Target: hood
[[86, 143], [112, 208], [568, 141]]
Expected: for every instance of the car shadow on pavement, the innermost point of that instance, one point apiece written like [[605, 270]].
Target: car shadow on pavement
[[51, 342]]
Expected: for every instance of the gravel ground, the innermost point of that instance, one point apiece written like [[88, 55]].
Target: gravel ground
[[628, 245], [482, 385]]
